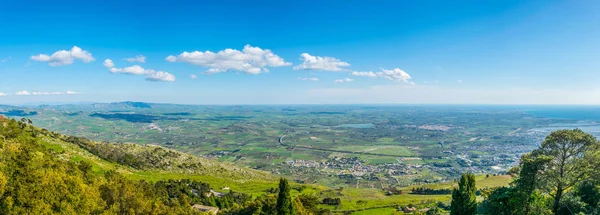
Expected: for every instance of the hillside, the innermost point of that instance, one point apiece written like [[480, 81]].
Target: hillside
[[40, 174], [51, 162], [152, 163], [158, 159]]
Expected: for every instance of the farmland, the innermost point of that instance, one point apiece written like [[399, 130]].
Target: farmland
[[337, 146]]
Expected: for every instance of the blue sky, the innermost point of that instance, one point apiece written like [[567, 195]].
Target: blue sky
[[252, 52]]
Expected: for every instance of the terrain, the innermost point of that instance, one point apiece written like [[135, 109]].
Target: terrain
[[156, 164], [351, 146]]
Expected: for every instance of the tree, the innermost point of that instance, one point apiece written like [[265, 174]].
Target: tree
[[569, 163], [284, 199], [434, 211], [527, 182], [463, 198], [498, 201]]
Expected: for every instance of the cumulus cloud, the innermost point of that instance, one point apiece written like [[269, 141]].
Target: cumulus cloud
[[65, 57], [390, 74], [395, 75], [151, 75], [27, 93], [192, 76], [108, 63], [365, 74], [459, 81], [345, 80], [139, 58], [320, 63], [308, 79], [160, 76], [251, 60], [2, 94], [131, 70]]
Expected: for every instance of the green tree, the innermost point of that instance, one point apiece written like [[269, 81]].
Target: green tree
[[570, 161], [527, 182], [284, 199], [463, 198], [434, 211], [498, 201]]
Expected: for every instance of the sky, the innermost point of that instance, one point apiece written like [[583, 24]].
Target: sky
[[300, 52]]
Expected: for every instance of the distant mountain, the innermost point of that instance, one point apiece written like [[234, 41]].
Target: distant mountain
[[131, 104]]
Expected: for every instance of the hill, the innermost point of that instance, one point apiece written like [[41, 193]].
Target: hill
[[43, 172], [38, 176], [46, 172], [151, 162]]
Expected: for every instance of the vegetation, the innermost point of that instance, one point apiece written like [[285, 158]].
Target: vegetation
[[137, 179], [463, 197], [39, 177], [558, 178], [397, 145], [33, 180], [284, 200], [429, 191]]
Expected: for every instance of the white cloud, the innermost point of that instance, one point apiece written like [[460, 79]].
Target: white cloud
[[64, 57], [139, 58], [160, 76], [390, 74], [5, 59], [320, 63], [27, 93], [108, 63], [365, 74], [151, 75], [251, 60], [131, 70], [345, 80], [459, 81], [308, 79], [395, 75], [23, 93], [46, 93], [172, 58], [2, 94], [192, 76]]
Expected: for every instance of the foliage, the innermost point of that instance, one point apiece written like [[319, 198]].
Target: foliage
[[284, 199], [566, 159], [151, 157], [463, 198], [429, 191], [35, 180], [331, 201], [570, 161], [434, 211]]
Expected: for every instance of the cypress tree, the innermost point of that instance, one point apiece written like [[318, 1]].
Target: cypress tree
[[284, 200], [463, 198]]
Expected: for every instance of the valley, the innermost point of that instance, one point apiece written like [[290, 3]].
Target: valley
[[370, 158], [336, 146]]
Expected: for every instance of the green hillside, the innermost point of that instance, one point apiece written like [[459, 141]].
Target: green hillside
[[47, 172]]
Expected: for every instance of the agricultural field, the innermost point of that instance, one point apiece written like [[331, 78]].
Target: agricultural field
[[374, 147]]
